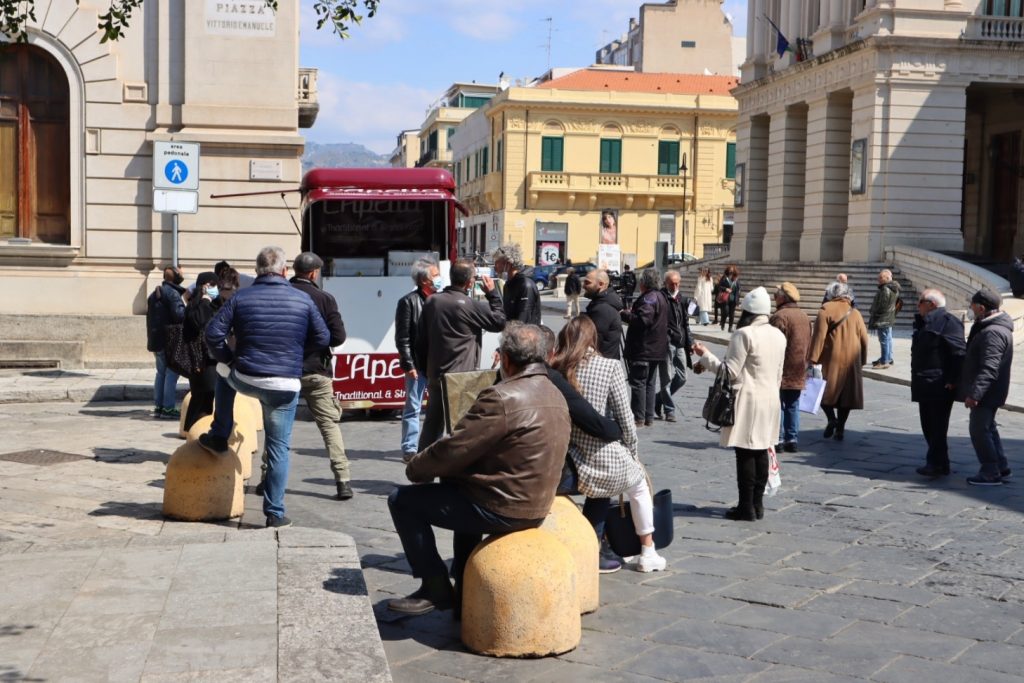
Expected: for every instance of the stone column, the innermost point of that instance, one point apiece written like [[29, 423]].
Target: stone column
[[827, 177], [784, 218], [914, 166], [752, 151]]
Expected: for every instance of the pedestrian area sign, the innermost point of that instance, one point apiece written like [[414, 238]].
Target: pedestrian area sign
[[175, 177]]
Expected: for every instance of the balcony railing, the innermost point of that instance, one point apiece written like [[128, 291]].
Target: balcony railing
[[545, 181], [308, 99], [1008, 29]]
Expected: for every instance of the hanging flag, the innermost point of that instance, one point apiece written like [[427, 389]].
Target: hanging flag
[[781, 44]]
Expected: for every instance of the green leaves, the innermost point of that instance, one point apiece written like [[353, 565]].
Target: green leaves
[[342, 14], [15, 14]]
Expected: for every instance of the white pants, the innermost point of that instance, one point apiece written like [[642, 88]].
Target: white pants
[[573, 303], [641, 507]]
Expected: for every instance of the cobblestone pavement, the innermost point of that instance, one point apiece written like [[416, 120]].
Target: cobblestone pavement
[[860, 570]]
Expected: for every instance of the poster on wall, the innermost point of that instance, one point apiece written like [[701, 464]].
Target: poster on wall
[[609, 226], [609, 257], [549, 253]]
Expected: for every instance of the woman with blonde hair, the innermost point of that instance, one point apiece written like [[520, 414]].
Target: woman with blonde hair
[[606, 468]]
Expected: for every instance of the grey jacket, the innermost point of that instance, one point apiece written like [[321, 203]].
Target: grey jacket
[[450, 328], [986, 369]]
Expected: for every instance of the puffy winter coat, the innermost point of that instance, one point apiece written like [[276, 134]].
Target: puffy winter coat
[[603, 310], [883, 308], [273, 323], [163, 307], [936, 355], [986, 371]]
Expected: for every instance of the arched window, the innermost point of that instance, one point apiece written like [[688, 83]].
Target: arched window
[[35, 182]]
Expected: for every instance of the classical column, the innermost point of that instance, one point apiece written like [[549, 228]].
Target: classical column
[[827, 177], [787, 153], [752, 153], [914, 146]]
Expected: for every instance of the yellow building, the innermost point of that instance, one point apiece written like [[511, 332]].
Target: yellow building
[[542, 165], [438, 129]]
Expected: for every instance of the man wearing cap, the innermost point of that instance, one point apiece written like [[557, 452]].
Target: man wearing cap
[[795, 324], [317, 373], [985, 384], [936, 354]]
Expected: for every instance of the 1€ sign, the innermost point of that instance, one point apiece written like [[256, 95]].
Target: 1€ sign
[[175, 165]]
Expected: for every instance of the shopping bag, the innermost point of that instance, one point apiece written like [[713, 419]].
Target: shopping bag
[[774, 478], [459, 391], [810, 397]]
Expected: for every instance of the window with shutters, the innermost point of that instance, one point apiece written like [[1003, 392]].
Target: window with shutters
[[498, 157], [668, 157], [611, 156], [485, 155], [730, 160], [551, 154], [35, 165]]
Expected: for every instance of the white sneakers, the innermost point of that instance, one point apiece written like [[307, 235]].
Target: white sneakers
[[650, 561]]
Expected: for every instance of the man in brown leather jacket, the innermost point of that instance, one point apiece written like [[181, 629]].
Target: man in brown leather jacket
[[499, 470]]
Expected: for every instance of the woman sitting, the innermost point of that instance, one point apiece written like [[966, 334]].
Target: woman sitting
[[754, 364], [606, 468]]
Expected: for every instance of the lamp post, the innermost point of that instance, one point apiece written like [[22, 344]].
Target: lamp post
[[682, 169]]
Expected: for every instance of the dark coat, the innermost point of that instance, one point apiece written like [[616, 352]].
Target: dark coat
[[163, 307], [1016, 278], [572, 284], [986, 370], [796, 325], [198, 314], [273, 323], [521, 300], [450, 328], [407, 317], [731, 286], [317, 359], [603, 310], [883, 307], [647, 331], [936, 356], [679, 323], [628, 282]]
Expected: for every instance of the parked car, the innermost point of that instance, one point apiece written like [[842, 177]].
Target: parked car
[[673, 260], [540, 274]]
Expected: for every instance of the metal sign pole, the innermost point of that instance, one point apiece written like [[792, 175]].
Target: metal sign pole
[[174, 239]]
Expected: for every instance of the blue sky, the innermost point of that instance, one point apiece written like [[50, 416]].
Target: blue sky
[[385, 76]]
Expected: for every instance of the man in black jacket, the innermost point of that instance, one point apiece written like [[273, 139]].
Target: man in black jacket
[[646, 345], [985, 384], [164, 307], [672, 370], [603, 310], [427, 278], [628, 283], [317, 380], [448, 337], [521, 300]]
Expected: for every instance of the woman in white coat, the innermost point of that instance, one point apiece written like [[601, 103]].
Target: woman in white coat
[[703, 294], [754, 363]]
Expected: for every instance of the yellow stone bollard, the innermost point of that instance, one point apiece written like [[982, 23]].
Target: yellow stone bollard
[[254, 408], [184, 410], [519, 597], [568, 525], [243, 440], [201, 487]]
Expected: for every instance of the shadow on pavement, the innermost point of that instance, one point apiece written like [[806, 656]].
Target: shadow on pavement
[[128, 455], [140, 413], [376, 456], [346, 582], [128, 509]]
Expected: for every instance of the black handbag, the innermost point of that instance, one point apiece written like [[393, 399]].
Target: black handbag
[[621, 534], [720, 406], [187, 358]]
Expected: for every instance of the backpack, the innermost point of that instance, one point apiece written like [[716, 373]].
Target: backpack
[[899, 304]]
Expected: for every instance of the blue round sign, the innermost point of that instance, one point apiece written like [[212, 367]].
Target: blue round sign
[[176, 171]]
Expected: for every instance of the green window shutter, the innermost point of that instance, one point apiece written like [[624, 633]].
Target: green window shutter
[[730, 160], [486, 160], [611, 156], [551, 154], [668, 157], [497, 156]]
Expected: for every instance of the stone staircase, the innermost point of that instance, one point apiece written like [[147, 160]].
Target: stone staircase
[[811, 279]]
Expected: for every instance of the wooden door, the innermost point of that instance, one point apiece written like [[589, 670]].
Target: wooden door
[[1006, 174]]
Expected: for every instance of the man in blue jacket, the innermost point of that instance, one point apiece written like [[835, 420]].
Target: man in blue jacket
[[272, 323]]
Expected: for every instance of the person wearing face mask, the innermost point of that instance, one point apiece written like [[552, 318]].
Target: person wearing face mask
[[203, 304], [427, 278], [164, 307]]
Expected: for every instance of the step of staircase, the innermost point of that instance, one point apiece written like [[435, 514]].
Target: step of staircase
[[812, 279]]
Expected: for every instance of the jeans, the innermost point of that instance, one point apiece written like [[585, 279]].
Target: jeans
[[278, 418], [935, 426], [416, 509], [704, 318], [411, 412], [165, 385], [433, 422], [885, 340], [672, 376], [987, 444], [319, 394], [643, 377], [790, 424]]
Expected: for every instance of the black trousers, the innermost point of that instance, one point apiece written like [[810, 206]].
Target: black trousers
[[202, 389], [751, 478], [724, 313], [643, 382], [934, 426]]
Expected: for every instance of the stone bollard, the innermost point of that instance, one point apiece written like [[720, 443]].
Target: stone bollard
[[243, 441], [519, 597], [568, 525], [254, 406], [184, 411], [202, 487]]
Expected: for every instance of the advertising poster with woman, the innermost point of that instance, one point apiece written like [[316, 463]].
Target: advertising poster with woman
[[609, 227]]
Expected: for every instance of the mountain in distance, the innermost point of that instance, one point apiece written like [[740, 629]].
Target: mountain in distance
[[340, 155]]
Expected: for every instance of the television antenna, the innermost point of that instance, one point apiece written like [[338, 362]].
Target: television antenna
[[547, 45]]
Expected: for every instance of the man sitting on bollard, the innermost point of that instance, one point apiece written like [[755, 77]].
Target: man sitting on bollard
[[499, 470], [273, 323]]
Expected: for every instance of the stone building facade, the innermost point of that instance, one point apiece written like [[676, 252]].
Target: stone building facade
[[78, 120], [900, 124]]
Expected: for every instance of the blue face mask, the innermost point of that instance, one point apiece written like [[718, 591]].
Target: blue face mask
[[212, 291], [438, 284]]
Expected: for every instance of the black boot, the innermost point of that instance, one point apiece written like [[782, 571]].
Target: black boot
[[760, 482], [435, 592], [745, 481]]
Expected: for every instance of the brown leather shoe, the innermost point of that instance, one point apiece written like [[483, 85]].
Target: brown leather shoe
[[422, 601]]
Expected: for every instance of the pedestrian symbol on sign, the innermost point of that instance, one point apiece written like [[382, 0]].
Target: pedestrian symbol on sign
[[176, 172]]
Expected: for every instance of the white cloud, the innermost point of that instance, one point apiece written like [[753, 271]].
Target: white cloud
[[369, 113], [486, 25]]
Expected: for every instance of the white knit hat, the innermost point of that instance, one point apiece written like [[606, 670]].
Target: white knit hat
[[757, 302]]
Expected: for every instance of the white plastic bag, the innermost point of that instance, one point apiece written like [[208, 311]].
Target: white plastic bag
[[810, 396], [774, 478]]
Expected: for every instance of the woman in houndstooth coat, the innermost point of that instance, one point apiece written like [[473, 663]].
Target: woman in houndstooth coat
[[606, 468]]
